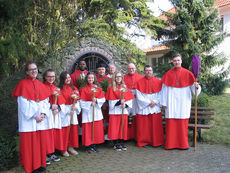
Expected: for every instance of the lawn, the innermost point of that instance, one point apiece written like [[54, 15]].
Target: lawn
[[221, 132]]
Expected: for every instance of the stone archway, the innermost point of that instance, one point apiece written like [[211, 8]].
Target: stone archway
[[92, 57], [92, 50]]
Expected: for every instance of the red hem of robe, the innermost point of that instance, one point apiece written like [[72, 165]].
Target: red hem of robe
[[149, 130], [176, 133], [58, 139], [70, 137], [50, 141], [115, 127], [132, 129], [32, 150], [87, 133]]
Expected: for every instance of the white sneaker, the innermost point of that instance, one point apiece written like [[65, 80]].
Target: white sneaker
[[48, 160], [54, 158], [65, 154], [72, 151]]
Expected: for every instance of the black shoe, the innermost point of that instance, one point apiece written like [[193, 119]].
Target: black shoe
[[89, 150], [36, 171], [54, 158], [124, 148], [94, 148], [117, 147], [42, 169]]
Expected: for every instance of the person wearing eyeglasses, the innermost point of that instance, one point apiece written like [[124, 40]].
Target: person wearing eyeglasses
[[130, 80], [32, 97], [148, 118], [56, 107], [120, 100]]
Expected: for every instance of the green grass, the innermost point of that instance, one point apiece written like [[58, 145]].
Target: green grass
[[220, 134]]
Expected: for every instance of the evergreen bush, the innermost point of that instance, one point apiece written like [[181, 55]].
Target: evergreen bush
[[203, 100], [8, 154]]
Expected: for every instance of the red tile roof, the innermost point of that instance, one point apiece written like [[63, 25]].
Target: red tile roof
[[156, 48], [220, 3], [172, 10]]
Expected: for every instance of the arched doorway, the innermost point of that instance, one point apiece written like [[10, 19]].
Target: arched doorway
[[91, 58]]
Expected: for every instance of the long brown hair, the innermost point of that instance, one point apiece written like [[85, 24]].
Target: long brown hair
[[114, 84], [86, 79], [63, 77]]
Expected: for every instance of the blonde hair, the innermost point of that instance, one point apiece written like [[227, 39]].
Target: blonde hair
[[114, 84]]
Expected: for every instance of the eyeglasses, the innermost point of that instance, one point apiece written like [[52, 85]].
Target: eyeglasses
[[50, 76], [33, 69], [118, 76]]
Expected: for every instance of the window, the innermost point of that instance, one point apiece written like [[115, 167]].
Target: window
[[154, 62], [221, 28]]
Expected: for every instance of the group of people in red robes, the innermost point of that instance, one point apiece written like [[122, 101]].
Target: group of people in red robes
[[48, 115]]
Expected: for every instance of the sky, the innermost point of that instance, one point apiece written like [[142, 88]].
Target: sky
[[144, 41]]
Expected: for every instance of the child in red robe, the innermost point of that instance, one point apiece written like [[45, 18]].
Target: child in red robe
[[120, 100], [92, 99], [56, 102], [69, 119]]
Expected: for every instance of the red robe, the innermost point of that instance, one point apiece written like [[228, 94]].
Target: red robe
[[130, 81], [32, 147], [176, 130], [54, 136], [115, 119], [87, 96], [149, 126], [70, 138], [178, 78], [75, 75], [31, 90]]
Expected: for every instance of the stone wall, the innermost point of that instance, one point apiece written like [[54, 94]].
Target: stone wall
[[65, 58]]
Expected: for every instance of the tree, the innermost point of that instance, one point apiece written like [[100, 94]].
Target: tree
[[35, 29], [193, 30]]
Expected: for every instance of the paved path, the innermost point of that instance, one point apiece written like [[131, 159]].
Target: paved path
[[207, 158]]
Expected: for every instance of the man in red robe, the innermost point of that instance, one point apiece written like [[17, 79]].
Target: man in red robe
[[130, 80], [79, 73], [148, 118], [101, 68], [33, 109], [176, 99]]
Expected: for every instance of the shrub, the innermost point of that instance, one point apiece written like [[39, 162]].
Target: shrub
[[203, 100], [8, 154]]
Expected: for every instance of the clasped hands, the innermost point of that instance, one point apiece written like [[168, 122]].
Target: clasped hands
[[55, 109], [122, 103], [39, 118], [152, 104], [94, 102]]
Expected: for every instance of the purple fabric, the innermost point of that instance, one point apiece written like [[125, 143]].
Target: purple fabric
[[196, 65]]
